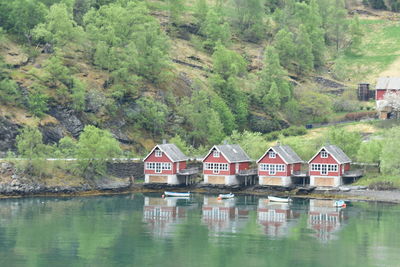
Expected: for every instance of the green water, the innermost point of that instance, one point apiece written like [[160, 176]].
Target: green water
[[145, 230]]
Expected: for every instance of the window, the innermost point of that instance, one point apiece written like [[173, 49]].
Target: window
[[166, 166], [264, 167], [272, 155], [216, 154], [324, 168], [324, 154], [158, 167], [216, 167], [272, 168], [316, 167], [332, 168], [158, 153], [150, 165]]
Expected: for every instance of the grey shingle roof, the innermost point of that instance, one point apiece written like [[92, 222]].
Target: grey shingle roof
[[287, 154], [233, 153], [173, 152], [388, 83], [337, 153]]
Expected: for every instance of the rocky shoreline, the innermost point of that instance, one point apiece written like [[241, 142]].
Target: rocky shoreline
[[24, 187]]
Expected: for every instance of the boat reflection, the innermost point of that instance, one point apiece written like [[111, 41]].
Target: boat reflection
[[325, 219], [276, 218], [161, 214], [224, 215]]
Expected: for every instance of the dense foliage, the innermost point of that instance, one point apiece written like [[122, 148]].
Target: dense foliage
[[128, 43]]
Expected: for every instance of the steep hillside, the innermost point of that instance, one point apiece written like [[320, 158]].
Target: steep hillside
[[202, 71]]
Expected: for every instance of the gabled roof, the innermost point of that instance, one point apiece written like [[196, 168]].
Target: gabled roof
[[336, 153], [171, 151], [232, 153], [285, 152], [388, 83]]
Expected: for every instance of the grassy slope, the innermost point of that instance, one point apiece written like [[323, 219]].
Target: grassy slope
[[379, 52]]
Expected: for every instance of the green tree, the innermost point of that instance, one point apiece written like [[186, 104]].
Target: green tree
[[215, 30], [337, 23], [370, 152], [30, 143], [127, 37], [176, 9], [272, 72], [56, 71], [390, 162], [151, 115], [67, 147], [304, 55], [272, 100], [349, 142], [247, 17], [95, 147], [9, 93], [78, 95], [225, 114], [59, 28], [227, 63], [285, 46], [200, 11], [356, 35], [21, 16], [314, 106], [30, 147], [37, 101], [228, 67], [215, 128]]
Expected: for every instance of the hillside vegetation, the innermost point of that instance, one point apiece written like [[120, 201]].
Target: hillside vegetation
[[195, 72]]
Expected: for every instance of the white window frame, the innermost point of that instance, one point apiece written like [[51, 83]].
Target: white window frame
[[324, 154], [166, 166], [324, 169], [216, 168], [272, 169], [216, 154], [158, 167], [158, 153], [271, 154]]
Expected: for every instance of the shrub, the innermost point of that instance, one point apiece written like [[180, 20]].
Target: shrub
[[355, 116]]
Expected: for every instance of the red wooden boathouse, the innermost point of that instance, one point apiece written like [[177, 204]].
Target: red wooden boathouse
[[277, 166], [223, 164]]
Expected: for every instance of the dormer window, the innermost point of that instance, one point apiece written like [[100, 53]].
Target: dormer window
[[158, 153], [216, 154], [324, 154], [272, 154]]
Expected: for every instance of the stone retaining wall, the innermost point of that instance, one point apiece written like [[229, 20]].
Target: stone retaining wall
[[126, 169]]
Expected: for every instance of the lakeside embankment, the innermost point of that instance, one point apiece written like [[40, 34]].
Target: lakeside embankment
[[15, 184], [27, 188]]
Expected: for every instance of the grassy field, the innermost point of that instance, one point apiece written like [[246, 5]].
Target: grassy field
[[378, 55]]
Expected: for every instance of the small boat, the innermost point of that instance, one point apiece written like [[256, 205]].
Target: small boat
[[339, 203], [176, 194], [226, 196], [279, 199]]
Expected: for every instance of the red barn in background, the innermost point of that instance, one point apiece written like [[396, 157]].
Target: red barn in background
[[222, 164], [327, 167]]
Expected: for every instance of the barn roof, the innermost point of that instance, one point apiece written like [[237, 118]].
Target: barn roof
[[388, 83], [286, 153], [336, 153], [232, 153], [171, 151]]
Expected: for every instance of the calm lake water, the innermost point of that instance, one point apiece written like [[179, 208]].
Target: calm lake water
[[146, 230]]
